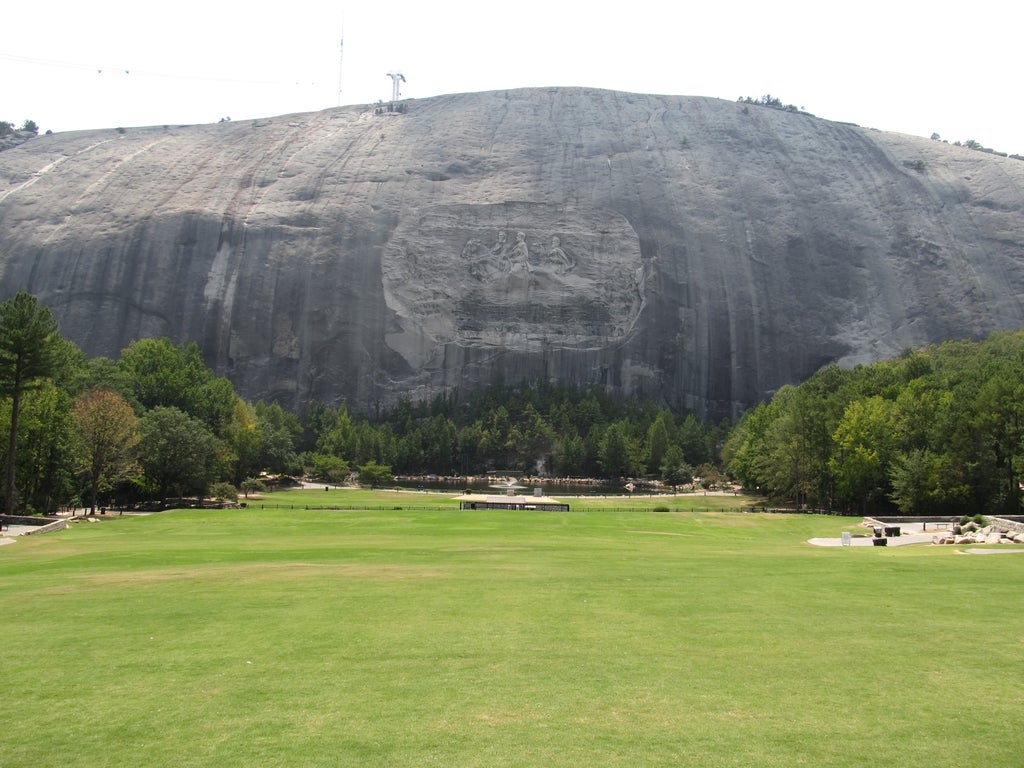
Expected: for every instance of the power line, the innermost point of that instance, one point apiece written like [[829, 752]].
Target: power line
[[127, 71]]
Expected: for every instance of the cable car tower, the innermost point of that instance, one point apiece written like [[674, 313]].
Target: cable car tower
[[396, 78]]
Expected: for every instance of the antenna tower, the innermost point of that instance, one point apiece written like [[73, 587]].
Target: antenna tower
[[341, 61]]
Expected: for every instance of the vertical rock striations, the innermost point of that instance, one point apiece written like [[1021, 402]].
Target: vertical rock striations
[[698, 251]]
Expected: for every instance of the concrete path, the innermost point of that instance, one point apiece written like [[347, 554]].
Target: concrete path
[[894, 541], [911, 533]]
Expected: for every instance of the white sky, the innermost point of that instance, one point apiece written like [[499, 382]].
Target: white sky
[[901, 65]]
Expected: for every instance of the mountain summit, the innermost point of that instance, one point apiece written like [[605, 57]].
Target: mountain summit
[[697, 251]]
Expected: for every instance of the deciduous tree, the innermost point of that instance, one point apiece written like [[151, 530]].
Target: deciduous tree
[[107, 439], [178, 452]]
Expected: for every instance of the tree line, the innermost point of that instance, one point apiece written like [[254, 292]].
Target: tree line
[[157, 423], [937, 431], [539, 429]]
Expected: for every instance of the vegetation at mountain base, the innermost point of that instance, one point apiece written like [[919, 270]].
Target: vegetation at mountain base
[[157, 423], [29, 357], [938, 430]]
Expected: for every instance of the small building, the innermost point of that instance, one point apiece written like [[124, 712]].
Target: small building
[[531, 503]]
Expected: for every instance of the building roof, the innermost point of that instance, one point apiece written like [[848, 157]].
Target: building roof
[[500, 499]]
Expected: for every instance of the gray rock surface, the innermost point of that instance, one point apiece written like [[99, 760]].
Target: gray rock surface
[[698, 251]]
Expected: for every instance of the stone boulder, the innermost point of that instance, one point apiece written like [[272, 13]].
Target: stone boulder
[[692, 250]]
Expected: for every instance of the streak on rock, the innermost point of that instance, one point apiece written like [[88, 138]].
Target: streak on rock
[[681, 248]]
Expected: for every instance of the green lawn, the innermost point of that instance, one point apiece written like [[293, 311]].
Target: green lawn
[[426, 636]]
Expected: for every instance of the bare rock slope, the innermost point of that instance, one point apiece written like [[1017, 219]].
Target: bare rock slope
[[698, 251]]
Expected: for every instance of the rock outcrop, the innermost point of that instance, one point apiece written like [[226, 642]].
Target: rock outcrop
[[698, 251]]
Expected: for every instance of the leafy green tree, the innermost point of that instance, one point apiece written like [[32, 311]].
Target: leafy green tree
[[440, 445], [674, 469], [326, 467], [914, 477], [940, 428], [793, 457], [178, 452], [693, 439], [589, 413], [923, 483], [107, 435], [98, 373], [373, 473], [338, 437], [253, 485], [29, 354], [159, 373], [242, 437], [863, 444], [745, 453], [409, 452], [278, 432], [917, 412], [1000, 422]]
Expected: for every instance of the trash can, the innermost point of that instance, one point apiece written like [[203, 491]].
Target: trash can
[[879, 542], [892, 530]]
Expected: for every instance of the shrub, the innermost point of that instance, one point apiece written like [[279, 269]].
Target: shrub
[[224, 492]]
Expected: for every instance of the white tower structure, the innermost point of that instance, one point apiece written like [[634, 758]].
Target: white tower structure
[[341, 61], [396, 78]]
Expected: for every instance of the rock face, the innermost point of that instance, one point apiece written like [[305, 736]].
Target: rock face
[[697, 251]]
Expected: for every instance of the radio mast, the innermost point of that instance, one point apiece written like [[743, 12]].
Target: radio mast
[[341, 61]]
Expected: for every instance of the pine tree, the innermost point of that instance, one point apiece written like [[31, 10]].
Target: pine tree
[[28, 356]]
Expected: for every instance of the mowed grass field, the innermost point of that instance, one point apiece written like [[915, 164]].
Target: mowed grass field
[[286, 636]]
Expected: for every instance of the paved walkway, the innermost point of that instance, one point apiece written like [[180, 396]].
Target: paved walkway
[[912, 533], [894, 541], [10, 531]]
